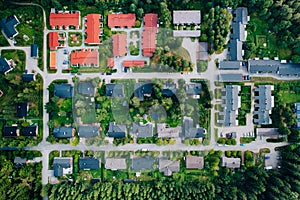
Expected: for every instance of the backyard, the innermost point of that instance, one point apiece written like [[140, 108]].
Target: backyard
[[246, 100]]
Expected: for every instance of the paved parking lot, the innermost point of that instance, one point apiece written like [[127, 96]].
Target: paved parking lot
[[272, 160]]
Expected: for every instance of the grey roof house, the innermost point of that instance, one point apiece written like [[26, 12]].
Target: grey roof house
[[19, 162], [235, 50], [115, 163], [142, 163], [230, 77], [63, 90], [186, 17], [116, 131], [263, 108], [231, 105], [62, 166], [142, 130], [114, 90], [86, 88], [297, 106], [169, 89], [88, 163], [142, 90], [241, 15], [194, 90], [231, 162], [164, 131], [230, 65], [194, 162], [8, 26], [63, 132], [168, 167], [190, 131], [88, 131]]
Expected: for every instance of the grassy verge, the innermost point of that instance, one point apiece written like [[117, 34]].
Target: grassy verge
[[202, 66]]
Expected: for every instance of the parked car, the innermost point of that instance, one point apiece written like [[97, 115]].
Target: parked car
[[267, 157], [242, 145]]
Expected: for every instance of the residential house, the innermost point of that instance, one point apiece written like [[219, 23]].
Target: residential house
[[231, 162], [88, 163], [164, 131], [62, 166], [85, 58], [168, 167], [267, 132], [63, 132], [230, 65], [142, 163], [194, 162], [142, 90], [202, 52], [142, 130], [133, 63], [231, 105], [8, 26], [63, 90], [86, 88], [10, 131], [297, 108], [115, 163], [53, 60], [235, 49], [190, 131], [29, 131], [53, 40], [19, 162], [121, 20], [5, 65], [149, 34], [28, 77], [231, 77], [21, 109], [194, 90], [116, 131], [34, 51], [263, 109], [88, 131], [114, 90], [169, 89], [92, 28], [187, 17], [119, 44], [63, 20]]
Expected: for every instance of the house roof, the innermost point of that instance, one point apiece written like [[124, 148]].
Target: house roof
[[230, 65], [169, 89], [116, 131], [63, 90], [52, 59], [186, 33], [89, 163], [186, 17], [85, 57], [53, 40], [236, 47], [63, 132], [164, 131], [149, 34], [20, 161], [239, 31], [142, 89], [168, 166], [28, 77], [92, 28], [64, 19], [231, 104], [194, 162], [86, 88], [10, 131], [142, 130], [193, 89], [190, 131], [142, 163], [61, 163], [4, 65], [115, 163], [241, 15], [230, 77], [297, 106], [114, 90], [231, 162], [34, 50], [267, 132], [119, 44], [133, 63], [29, 131], [121, 20], [110, 62], [203, 51], [8, 26], [265, 104], [22, 109], [150, 20], [88, 131]]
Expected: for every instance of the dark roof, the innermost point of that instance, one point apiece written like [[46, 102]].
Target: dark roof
[[63, 90], [143, 163], [88, 131], [142, 89], [86, 88], [236, 47], [116, 131], [27, 77], [29, 131], [239, 31], [193, 89], [241, 15], [60, 163], [4, 66], [34, 50], [297, 106], [265, 104], [62, 132], [22, 109], [10, 131], [8, 26], [190, 131], [114, 90], [89, 163], [230, 77], [169, 89], [230, 65], [142, 131]]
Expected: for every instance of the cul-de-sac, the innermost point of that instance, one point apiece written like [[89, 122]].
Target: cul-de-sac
[[150, 99]]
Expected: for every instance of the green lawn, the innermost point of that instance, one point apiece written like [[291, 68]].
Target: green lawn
[[202, 66], [289, 92], [77, 41], [3, 41], [183, 53], [18, 56]]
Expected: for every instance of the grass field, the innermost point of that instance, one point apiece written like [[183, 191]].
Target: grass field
[[202, 66], [3, 41], [183, 53]]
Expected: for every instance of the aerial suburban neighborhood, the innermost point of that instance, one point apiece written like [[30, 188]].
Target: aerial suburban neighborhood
[[150, 99]]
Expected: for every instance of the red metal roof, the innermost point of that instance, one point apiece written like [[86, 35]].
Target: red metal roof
[[92, 28], [134, 63], [53, 40], [119, 44], [110, 62], [149, 34], [121, 20], [85, 57], [64, 19]]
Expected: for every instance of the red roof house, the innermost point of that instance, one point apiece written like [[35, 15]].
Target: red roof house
[[85, 57], [64, 19], [149, 34], [92, 28], [53, 40], [121, 20], [110, 62], [133, 63], [119, 44]]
